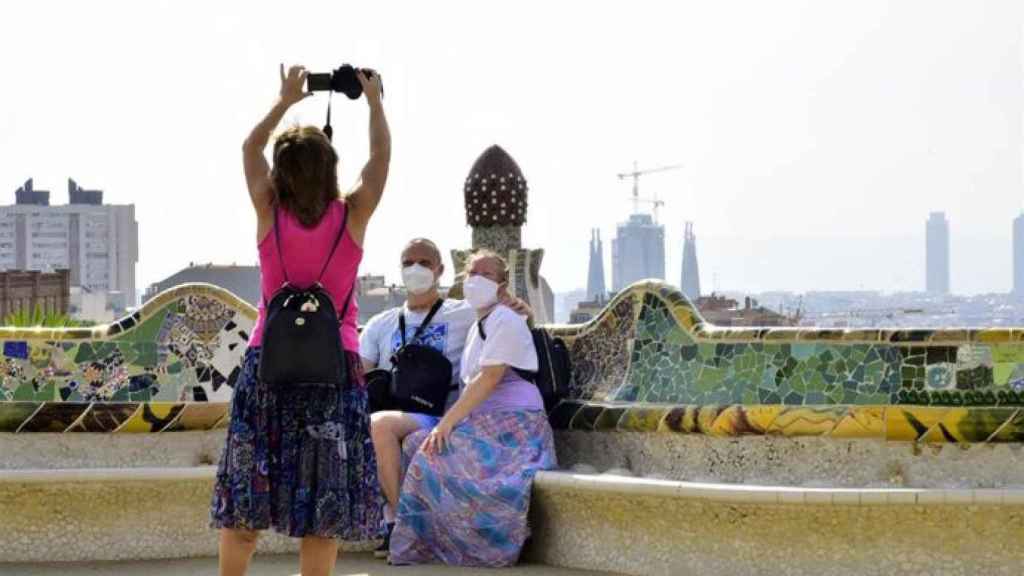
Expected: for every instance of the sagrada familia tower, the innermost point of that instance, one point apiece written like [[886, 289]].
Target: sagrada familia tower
[[496, 208]]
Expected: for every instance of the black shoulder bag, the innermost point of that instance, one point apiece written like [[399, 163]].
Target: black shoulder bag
[[421, 376], [301, 345]]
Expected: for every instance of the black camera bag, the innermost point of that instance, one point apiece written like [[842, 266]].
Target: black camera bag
[[421, 376]]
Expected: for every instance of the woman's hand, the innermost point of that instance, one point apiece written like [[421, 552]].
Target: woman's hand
[[437, 441], [371, 86], [517, 305], [293, 85]]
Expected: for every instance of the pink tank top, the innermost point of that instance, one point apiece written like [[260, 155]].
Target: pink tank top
[[304, 252]]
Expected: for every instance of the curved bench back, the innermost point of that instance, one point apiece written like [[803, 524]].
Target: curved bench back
[[168, 366], [649, 361]]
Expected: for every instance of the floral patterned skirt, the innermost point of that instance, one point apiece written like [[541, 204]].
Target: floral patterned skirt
[[467, 506], [299, 461]]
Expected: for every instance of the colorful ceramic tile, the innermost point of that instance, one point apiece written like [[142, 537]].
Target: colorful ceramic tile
[[609, 418], [807, 421], [642, 418], [910, 423], [1011, 430], [14, 414], [106, 416], [974, 425], [861, 422], [199, 416], [152, 417], [680, 419], [54, 417], [586, 417]]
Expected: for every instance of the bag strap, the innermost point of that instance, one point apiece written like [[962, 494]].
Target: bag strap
[[423, 325], [337, 240], [480, 328], [277, 242], [344, 308], [527, 375], [334, 247]]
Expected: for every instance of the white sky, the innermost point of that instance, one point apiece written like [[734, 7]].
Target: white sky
[[817, 135]]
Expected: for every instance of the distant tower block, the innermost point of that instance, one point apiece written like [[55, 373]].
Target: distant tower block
[[690, 281], [496, 202], [1018, 257], [937, 254], [638, 251], [596, 290]]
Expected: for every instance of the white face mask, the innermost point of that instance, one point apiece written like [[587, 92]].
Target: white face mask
[[418, 279], [480, 292]]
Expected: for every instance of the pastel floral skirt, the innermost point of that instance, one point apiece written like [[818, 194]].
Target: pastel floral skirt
[[468, 505], [299, 461]]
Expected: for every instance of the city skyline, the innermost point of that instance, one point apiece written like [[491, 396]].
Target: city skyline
[[805, 168], [98, 243]]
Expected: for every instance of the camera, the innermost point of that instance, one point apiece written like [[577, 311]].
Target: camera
[[342, 79]]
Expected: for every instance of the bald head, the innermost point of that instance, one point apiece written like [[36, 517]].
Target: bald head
[[423, 252]]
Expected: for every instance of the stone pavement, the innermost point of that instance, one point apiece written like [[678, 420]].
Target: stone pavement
[[285, 565]]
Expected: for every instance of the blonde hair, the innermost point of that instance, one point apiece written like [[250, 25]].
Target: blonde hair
[[491, 255]]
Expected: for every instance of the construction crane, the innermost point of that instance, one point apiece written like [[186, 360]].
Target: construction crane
[[635, 174]]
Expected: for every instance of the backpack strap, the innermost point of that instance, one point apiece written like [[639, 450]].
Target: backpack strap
[[334, 247], [277, 242], [527, 375], [423, 325], [344, 308]]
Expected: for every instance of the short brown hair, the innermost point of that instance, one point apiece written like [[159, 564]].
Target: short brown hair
[[491, 255], [305, 173]]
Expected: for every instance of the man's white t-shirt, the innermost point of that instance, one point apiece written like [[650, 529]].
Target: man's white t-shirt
[[446, 333], [506, 341]]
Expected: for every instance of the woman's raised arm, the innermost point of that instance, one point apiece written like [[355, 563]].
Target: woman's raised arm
[[366, 196], [257, 170]]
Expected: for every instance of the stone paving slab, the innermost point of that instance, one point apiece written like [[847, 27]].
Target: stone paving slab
[[283, 565]]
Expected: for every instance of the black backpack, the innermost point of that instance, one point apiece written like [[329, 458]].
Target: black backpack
[[554, 372], [301, 345], [421, 376]]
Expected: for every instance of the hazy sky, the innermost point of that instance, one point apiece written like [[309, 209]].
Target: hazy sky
[[816, 135]]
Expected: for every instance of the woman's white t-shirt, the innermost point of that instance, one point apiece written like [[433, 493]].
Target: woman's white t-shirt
[[506, 341]]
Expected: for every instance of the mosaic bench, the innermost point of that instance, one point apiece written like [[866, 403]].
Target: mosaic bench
[[656, 392], [814, 451], [168, 367], [650, 363]]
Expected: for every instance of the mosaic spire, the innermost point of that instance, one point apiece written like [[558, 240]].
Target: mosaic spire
[[495, 199]]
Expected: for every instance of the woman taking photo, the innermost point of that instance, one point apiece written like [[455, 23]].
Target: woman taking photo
[[298, 458]]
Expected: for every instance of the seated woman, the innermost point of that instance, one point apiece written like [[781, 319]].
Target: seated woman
[[467, 485]]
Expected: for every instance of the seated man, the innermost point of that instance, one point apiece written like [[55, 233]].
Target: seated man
[[381, 338], [467, 488]]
